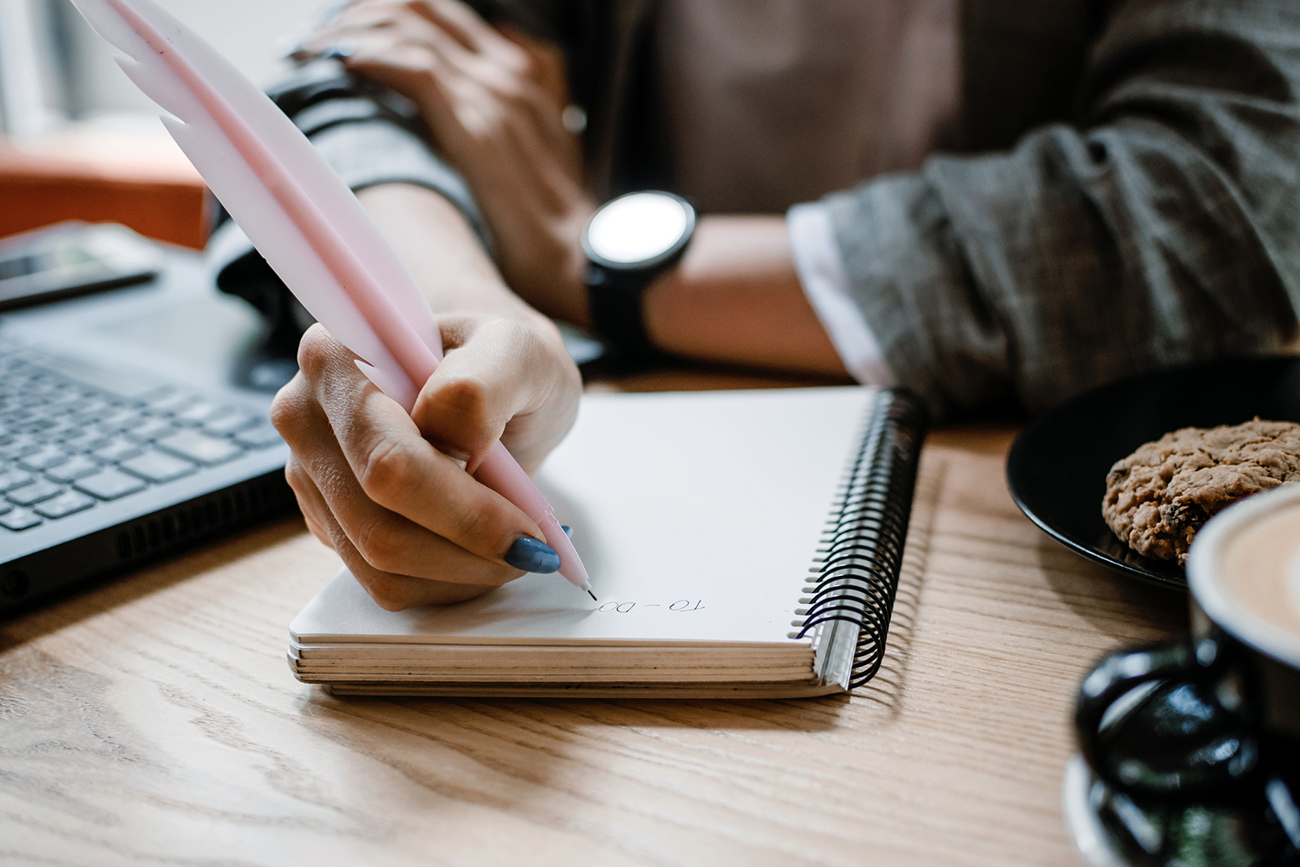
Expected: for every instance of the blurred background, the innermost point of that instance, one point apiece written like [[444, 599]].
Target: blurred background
[[79, 141]]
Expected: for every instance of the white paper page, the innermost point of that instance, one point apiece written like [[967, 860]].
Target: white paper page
[[696, 514]]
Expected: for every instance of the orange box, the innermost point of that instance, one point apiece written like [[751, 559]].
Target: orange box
[[100, 175]]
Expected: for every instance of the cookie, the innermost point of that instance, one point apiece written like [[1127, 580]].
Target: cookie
[[1159, 496]]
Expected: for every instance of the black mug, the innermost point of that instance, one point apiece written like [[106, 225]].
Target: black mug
[[1179, 718], [1203, 736]]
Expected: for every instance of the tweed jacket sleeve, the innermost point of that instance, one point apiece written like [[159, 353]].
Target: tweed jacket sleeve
[[1161, 225]]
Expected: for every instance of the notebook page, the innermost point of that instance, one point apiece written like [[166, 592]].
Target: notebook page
[[696, 514]]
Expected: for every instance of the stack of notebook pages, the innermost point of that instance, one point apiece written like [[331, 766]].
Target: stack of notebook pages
[[741, 543]]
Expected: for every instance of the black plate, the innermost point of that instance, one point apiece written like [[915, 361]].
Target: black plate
[[1057, 466]]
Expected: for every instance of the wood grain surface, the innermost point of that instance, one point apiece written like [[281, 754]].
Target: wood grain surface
[[154, 720]]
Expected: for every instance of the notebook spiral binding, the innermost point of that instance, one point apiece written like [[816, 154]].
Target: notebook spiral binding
[[855, 574]]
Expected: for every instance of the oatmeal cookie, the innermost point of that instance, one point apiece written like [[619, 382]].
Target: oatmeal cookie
[[1159, 496]]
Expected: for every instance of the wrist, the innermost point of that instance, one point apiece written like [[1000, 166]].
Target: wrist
[[571, 276], [630, 244]]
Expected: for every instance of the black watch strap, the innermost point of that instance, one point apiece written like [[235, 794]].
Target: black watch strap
[[614, 298]]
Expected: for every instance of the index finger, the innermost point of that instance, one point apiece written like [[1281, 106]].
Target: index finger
[[396, 467]]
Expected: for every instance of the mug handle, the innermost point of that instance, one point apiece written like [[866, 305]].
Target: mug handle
[[1119, 674]]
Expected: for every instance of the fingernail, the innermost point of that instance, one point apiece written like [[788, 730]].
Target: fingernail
[[340, 50], [568, 531], [532, 556]]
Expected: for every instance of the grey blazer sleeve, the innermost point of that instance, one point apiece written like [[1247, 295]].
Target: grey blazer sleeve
[[1163, 226], [368, 136]]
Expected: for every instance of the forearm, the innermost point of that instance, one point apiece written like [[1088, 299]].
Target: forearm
[[441, 250], [735, 298]]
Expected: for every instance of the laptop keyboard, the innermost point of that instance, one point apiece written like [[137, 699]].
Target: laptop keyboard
[[68, 444]]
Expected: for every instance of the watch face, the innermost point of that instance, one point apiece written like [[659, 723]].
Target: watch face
[[638, 229]]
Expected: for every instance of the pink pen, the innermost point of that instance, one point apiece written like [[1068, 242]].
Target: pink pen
[[303, 220]]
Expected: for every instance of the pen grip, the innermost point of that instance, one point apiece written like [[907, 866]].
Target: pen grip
[[500, 472]]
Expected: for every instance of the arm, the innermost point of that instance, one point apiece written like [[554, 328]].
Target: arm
[[494, 102], [385, 489], [1156, 230], [1153, 231], [735, 298]]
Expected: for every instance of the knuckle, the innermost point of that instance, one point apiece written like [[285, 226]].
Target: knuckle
[[380, 543], [509, 89], [315, 351], [289, 411], [388, 466], [459, 416], [295, 475], [484, 121], [466, 397], [475, 523], [517, 61]]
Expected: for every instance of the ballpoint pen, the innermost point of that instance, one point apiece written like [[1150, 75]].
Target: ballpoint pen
[[304, 221]]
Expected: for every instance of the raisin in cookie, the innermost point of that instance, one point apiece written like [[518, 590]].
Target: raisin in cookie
[[1159, 496]]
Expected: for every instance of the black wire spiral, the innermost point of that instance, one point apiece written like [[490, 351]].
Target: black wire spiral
[[855, 575]]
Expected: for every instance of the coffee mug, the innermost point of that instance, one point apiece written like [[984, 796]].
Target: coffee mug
[[1214, 722]]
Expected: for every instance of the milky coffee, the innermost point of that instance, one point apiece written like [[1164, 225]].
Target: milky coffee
[[1257, 568]]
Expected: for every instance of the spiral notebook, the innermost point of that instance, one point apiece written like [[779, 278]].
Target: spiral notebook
[[742, 544]]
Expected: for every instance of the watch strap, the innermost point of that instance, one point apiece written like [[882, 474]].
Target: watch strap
[[617, 316]]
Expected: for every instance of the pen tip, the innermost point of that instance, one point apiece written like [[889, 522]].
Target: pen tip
[[592, 595]]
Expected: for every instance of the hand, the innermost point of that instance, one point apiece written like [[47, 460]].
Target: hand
[[388, 491], [493, 101]]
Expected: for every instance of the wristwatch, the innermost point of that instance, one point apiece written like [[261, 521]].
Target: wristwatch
[[628, 242]]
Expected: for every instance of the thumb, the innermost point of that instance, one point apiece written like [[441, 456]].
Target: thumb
[[502, 379]]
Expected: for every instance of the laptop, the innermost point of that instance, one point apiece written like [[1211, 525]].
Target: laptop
[[133, 410]]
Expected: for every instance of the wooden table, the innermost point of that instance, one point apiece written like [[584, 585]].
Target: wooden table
[[154, 720]]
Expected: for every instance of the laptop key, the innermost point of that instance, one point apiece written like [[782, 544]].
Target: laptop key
[[116, 450], [41, 489], [150, 429], [65, 503], [120, 419], [14, 478], [21, 445], [168, 400], [20, 519], [196, 413], [43, 458], [39, 426], [73, 469], [91, 411], [258, 437], [200, 447], [110, 484], [228, 422], [157, 466], [84, 439]]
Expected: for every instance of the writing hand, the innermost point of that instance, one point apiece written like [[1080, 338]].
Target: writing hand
[[493, 101], [388, 492]]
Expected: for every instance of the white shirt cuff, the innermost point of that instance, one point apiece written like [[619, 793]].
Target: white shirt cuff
[[821, 271]]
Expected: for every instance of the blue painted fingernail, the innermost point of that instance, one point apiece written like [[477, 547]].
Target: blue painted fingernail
[[532, 556], [568, 531]]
